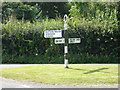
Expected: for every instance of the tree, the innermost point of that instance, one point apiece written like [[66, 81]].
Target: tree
[[26, 11], [18, 10], [34, 10], [97, 10], [51, 9]]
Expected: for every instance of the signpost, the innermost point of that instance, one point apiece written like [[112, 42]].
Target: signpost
[[70, 40], [74, 40], [53, 33], [60, 41], [65, 40]]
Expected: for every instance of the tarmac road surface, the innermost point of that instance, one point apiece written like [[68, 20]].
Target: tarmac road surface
[[9, 83]]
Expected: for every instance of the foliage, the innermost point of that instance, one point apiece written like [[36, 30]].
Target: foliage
[[26, 11], [58, 59], [94, 10], [51, 9], [100, 21], [18, 10], [26, 40], [97, 37], [34, 10], [98, 30]]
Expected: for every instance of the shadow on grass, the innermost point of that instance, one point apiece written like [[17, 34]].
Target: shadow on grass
[[97, 70], [92, 71], [76, 69]]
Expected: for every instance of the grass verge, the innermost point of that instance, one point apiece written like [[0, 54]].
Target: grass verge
[[90, 75]]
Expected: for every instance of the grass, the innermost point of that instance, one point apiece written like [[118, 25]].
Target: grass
[[57, 75]]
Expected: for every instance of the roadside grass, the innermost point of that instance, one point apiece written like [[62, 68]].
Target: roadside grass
[[88, 75]]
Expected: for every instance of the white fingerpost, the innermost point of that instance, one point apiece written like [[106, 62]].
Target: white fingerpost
[[66, 63], [62, 38], [66, 41]]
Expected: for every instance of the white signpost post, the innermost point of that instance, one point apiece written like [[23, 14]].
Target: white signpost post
[[65, 40]]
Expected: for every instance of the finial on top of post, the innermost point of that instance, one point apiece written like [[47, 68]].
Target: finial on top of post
[[65, 22], [65, 18]]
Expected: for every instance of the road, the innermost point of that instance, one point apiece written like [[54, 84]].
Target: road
[[9, 83]]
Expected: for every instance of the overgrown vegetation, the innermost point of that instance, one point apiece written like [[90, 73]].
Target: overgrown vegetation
[[24, 42]]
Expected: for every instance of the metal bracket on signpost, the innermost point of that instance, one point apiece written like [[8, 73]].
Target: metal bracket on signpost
[[66, 41]]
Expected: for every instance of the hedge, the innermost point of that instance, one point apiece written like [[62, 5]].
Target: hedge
[[24, 40]]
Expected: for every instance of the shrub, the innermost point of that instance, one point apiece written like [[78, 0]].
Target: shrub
[[22, 41]]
